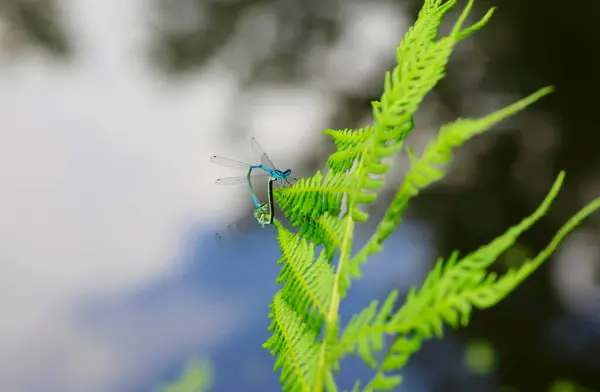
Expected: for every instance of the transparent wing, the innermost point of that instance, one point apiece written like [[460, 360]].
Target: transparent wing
[[285, 183], [239, 227], [240, 179], [290, 181], [228, 162], [264, 158]]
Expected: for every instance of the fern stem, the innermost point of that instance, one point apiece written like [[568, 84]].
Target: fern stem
[[332, 314], [344, 257]]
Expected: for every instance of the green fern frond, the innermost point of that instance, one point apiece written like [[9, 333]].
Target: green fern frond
[[295, 345], [420, 67], [383, 382], [314, 204], [424, 172], [365, 331], [428, 169], [330, 385], [399, 353], [342, 161], [517, 275], [421, 64], [350, 144], [298, 310], [453, 289], [313, 196], [307, 283], [345, 138], [325, 230], [356, 387]]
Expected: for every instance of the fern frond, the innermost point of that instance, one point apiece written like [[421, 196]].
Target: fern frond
[[356, 387], [330, 385], [453, 289], [365, 331], [312, 291], [314, 204], [350, 143], [325, 230], [295, 345], [298, 310], [428, 169], [313, 196], [517, 275], [383, 382], [421, 66], [344, 138], [307, 284]]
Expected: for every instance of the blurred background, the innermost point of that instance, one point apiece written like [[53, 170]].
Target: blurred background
[[109, 110]]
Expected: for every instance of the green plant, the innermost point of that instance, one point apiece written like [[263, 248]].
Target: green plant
[[196, 377], [307, 334]]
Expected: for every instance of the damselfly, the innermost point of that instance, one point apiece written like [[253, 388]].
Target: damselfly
[[263, 214], [266, 165]]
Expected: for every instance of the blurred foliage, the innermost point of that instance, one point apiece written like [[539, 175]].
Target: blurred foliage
[[196, 377], [480, 356], [33, 23], [563, 385], [189, 33]]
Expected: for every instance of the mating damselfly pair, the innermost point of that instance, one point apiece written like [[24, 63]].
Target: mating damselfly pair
[[264, 213]]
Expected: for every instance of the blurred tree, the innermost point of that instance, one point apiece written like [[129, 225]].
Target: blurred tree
[[32, 24], [189, 33]]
